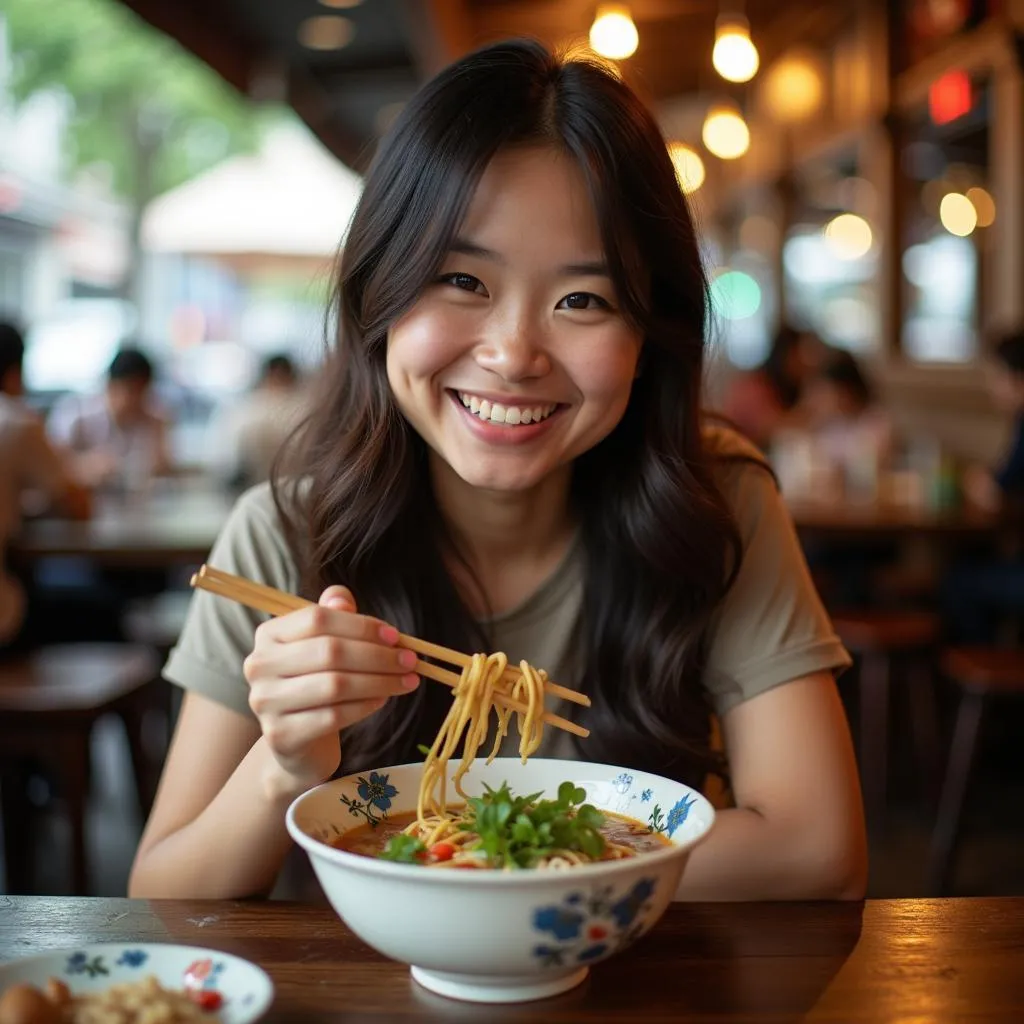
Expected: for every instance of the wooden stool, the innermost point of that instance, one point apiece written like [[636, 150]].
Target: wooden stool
[[878, 637], [980, 673], [49, 702]]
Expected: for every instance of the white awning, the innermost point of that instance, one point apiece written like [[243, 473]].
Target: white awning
[[292, 198]]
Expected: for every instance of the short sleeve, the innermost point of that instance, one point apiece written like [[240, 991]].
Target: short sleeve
[[218, 633], [771, 627]]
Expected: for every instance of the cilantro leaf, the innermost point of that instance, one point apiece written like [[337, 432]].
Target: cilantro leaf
[[403, 849], [518, 832]]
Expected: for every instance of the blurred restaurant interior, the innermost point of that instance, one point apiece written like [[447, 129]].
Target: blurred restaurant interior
[[168, 224]]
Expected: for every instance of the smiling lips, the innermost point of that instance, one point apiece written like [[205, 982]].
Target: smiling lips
[[505, 415]]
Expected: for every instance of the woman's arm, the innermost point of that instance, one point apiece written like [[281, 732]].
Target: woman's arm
[[217, 827], [797, 831]]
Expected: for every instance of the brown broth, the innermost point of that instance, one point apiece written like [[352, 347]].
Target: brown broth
[[368, 840]]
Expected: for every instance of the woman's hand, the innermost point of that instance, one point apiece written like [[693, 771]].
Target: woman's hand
[[316, 671]]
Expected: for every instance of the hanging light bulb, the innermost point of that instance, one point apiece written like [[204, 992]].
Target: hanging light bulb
[[734, 56], [689, 166], [725, 133], [613, 33]]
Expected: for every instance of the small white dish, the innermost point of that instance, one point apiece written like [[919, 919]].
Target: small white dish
[[500, 936], [246, 989]]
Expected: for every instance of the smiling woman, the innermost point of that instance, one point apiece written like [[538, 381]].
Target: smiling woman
[[507, 453]]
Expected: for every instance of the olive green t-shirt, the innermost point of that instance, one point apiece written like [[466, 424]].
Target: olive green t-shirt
[[771, 627]]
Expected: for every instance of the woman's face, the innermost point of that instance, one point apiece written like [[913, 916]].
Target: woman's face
[[516, 359]]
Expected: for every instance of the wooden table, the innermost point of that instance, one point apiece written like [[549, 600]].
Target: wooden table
[[851, 521], [911, 961], [176, 526]]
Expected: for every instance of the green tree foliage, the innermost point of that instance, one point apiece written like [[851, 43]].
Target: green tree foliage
[[142, 106]]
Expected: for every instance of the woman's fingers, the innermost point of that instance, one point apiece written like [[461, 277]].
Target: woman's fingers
[[322, 689], [326, 654], [289, 735], [339, 598], [317, 620]]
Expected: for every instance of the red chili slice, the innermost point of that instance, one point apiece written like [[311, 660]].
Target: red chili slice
[[207, 999], [442, 851]]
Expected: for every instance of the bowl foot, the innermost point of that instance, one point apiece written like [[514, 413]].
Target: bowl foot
[[496, 988]]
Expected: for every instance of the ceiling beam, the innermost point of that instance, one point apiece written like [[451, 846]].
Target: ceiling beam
[[197, 27]]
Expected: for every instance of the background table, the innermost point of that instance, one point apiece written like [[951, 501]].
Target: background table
[[176, 526], [934, 961]]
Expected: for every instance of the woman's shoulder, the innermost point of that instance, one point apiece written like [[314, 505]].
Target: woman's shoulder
[[254, 538], [732, 456]]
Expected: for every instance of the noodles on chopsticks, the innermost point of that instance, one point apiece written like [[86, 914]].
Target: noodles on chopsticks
[[470, 717]]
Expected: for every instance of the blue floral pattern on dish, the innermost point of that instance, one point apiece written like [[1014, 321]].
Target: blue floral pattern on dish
[[588, 926], [132, 958], [81, 963], [645, 796], [376, 794]]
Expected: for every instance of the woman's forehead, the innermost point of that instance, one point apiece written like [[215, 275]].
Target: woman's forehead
[[530, 191]]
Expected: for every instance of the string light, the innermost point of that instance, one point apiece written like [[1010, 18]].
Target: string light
[[689, 166], [613, 33], [734, 56], [849, 236], [958, 215], [984, 205], [725, 133]]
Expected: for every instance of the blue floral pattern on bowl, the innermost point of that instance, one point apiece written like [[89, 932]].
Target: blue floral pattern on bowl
[[587, 927], [375, 796], [657, 820]]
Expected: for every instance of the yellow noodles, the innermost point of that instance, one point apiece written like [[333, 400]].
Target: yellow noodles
[[470, 716], [472, 704]]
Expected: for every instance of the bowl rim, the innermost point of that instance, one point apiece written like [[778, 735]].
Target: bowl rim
[[483, 879]]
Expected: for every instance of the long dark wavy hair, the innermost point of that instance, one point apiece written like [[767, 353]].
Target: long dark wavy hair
[[661, 547]]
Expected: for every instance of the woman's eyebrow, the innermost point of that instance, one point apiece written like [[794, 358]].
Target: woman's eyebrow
[[588, 268]]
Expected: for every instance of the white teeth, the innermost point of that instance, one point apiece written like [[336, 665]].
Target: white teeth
[[497, 413]]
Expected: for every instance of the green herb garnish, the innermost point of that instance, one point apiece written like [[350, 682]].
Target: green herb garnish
[[518, 832], [403, 849]]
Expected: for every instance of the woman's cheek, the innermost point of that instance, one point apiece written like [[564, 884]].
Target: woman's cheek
[[424, 342]]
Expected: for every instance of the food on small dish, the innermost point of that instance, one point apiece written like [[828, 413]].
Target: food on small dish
[[137, 1002]]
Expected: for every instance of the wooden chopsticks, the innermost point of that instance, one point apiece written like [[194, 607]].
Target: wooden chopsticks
[[277, 602]]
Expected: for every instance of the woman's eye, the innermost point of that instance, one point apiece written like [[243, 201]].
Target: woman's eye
[[583, 300], [464, 282]]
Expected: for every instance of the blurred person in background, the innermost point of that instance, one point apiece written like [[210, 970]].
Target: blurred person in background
[[28, 463], [851, 430], [759, 402], [116, 439], [245, 440], [981, 598]]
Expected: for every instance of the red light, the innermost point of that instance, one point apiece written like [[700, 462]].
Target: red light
[[949, 97]]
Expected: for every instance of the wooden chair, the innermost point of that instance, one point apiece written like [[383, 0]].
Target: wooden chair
[[880, 638], [980, 674], [49, 702]]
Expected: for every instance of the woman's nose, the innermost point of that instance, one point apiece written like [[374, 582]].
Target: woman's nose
[[514, 350]]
